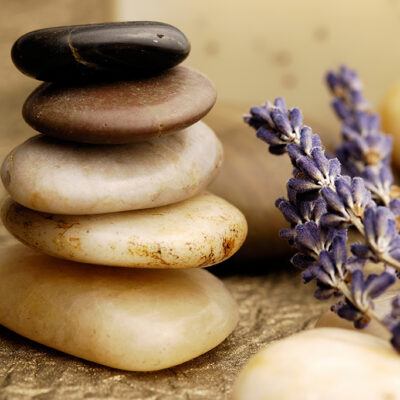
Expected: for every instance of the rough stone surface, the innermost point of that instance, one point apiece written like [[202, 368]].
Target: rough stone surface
[[119, 49], [121, 112], [325, 363], [52, 176], [272, 305], [130, 319], [198, 232]]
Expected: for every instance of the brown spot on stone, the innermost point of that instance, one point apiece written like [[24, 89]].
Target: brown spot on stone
[[208, 259], [147, 252], [228, 245], [321, 33], [281, 58], [212, 48], [75, 242], [289, 81], [63, 225]]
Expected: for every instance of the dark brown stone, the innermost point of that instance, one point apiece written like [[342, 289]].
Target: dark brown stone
[[98, 51], [121, 112]]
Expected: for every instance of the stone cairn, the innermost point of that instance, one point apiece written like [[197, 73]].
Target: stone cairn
[[116, 179]]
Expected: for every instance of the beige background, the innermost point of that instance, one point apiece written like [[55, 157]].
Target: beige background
[[259, 49]]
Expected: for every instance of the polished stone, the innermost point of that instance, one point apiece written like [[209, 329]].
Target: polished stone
[[271, 306], [121, 112], [198, 232], [324, 363], [57, 177], [132, 319], [118, 49]]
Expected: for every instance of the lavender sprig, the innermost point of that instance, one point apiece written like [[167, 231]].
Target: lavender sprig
[[365, 151], [321, 205]]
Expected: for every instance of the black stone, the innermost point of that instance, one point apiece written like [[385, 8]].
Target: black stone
[[112, 50]]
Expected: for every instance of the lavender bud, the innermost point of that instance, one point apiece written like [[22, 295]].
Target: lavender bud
[[296, 118], [309, 168], [334, 202], [375, 285], [281, 122], [302, 185]]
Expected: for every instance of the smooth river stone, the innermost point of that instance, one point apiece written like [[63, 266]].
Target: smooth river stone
[[132, 319], [121, 112], [323, 363], [198, 232], [119, 49], [58, 177]]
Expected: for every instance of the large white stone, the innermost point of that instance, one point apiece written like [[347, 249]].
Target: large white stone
[[325, 363], [133, 319], [198, 232], [58, 177]]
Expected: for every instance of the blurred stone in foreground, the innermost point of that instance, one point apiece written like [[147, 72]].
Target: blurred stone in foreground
[[325, 363]]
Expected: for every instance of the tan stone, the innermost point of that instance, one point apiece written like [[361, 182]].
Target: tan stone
[[133, 319], [323, 363], [71, 178], [198, 232]]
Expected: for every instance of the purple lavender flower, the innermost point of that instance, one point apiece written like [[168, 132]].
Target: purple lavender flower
[[365, 150], [392, 322], [321, 205], [382, 238]]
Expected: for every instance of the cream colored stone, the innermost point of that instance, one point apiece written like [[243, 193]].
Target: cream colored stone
[[391, 119], [198, 232], [133, 319], [69, 178], [326, 363]]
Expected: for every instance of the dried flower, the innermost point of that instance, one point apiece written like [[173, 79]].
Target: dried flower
[[322, 204], [365, 150]]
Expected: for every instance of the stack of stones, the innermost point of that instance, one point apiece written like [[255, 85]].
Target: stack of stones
[[116, 179]]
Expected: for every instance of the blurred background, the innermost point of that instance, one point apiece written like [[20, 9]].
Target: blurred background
[[253, 50]]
